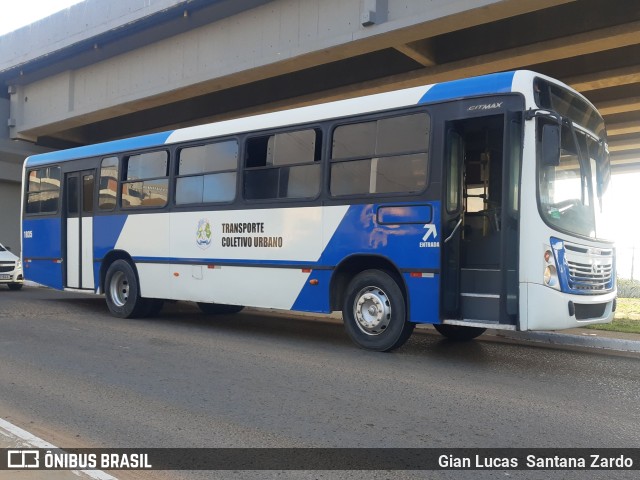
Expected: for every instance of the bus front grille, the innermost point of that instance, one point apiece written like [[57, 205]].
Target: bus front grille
[[589, 269]]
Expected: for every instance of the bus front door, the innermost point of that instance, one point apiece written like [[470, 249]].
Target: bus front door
[[452, 217], [78, 234], [480, 229]]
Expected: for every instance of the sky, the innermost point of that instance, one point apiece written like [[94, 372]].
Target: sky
[[621, 211], [18, 13]]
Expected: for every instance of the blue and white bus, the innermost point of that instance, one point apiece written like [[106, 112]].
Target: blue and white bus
[[468, 204]]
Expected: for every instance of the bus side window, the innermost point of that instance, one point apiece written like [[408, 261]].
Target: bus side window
[[108, 183], [389, 155], [146, 183], [207, 173], [284, 165], [43, 190]]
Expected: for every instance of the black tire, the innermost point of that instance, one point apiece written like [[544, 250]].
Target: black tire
[[458, 332], [14, 286], [122, 291], [219, 308], [374, 312]]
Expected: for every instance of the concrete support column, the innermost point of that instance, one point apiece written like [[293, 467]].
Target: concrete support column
[[16, 112], [4, 118], [10, 215]]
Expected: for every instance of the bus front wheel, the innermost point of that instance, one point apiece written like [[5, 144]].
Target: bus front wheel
[[374, 312], [459, 333], [123, 292]]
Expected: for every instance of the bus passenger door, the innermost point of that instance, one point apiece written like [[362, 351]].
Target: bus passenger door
[[451, 217], [78, 231], [479, 245]]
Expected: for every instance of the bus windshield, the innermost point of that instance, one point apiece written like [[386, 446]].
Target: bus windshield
[[571, 186]]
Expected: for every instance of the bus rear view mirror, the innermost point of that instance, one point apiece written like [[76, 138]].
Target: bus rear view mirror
[[550, 145]]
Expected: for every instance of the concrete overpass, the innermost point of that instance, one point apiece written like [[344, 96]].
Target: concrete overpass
[[109, 69]]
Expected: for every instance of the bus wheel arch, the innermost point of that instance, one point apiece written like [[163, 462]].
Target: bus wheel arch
[[352, 266], [111, 257]]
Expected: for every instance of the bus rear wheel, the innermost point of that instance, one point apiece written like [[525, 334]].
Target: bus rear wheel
[[122, 291], [459, 333], [374, 312]]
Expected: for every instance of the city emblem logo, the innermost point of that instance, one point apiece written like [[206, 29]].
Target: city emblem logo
[[203, 234]]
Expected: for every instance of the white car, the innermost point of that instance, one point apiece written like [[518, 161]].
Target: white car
[[10, 269]]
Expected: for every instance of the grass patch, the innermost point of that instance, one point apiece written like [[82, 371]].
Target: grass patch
[[628, 308], [627, 318]]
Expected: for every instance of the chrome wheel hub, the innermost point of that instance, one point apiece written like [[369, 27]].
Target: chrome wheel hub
[[119, 289], [372, 310]]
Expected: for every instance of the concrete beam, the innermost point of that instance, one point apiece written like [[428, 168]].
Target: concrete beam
[[621, 105], [622, 128], [280, 37], [541, 52], [79, 22], [514, 58], [421, 52], [625, 145], [626, 162], [626, 157], [10, 171], [20, 149], [606, 79]]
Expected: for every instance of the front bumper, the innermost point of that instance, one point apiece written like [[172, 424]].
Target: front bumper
[[549, 309]]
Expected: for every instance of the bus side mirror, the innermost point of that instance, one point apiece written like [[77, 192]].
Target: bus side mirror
[[550, 145]]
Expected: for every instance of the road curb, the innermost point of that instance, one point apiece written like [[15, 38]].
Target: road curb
[[590, 340]]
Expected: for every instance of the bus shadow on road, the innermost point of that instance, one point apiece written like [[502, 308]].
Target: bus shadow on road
[[282, 327]]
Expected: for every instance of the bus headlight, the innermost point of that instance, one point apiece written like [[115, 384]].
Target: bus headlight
[[550, 276], [550, 273]]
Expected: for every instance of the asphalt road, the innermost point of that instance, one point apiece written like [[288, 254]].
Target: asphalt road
[[77, 377]]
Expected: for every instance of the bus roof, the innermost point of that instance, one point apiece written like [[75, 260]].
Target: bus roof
[[495, 83]]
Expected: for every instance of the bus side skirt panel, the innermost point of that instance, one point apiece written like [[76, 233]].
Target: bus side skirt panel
[[424, 298], [42, 251]]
